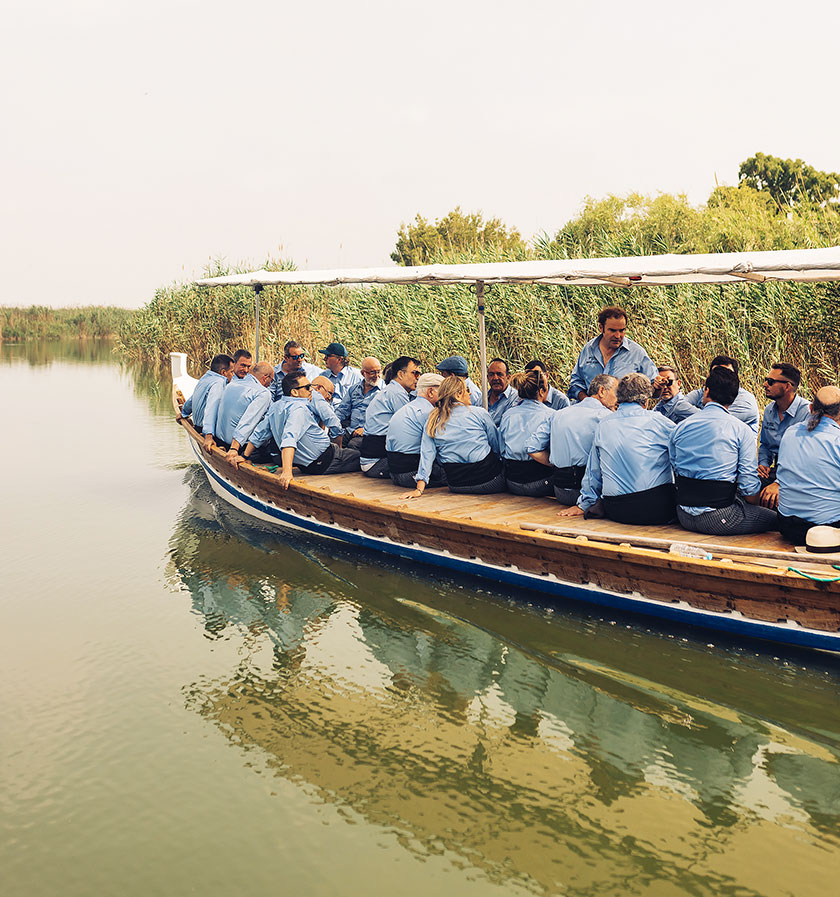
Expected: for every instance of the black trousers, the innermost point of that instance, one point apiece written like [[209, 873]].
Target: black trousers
[[650, 507], [794, 529]]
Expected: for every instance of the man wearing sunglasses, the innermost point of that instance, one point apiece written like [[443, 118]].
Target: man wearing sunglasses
[[294, 360], [301, 440], [785, 409], [668, 388]]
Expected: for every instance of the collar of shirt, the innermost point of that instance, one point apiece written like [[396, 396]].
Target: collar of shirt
[[710, 406], [628, 409], [595, 350], [421, 402], [300, 400], [791, 409]]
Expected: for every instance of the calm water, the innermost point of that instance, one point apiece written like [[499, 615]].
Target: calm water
[[190, 703]]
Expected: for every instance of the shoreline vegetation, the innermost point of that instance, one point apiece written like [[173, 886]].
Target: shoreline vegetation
[[39, 322], [685, 324]]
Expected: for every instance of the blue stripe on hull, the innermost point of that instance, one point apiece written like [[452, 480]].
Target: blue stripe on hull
[[780, 633]]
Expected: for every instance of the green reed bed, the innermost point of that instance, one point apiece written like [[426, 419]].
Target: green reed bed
[[38, 322], [686, 324]]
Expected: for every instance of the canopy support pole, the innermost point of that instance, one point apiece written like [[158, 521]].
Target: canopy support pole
[[482, 339], [257, 290]]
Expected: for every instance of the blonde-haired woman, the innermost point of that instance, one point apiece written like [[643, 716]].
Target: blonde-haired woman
[[465, 440], [525, 475]]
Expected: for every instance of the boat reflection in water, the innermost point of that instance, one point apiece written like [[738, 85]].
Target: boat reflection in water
[[548, 750]]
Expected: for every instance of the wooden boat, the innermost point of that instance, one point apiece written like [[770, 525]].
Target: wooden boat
[[747, 588], [753, 586]]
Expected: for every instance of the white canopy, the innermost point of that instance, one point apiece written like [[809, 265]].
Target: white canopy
[[800, 265]]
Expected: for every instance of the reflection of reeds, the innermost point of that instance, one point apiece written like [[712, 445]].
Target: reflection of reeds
[[38, 322], [757, 323]]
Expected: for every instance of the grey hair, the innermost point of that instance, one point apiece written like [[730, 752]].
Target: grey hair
[[820, 410], [634, 389], [605, 381]]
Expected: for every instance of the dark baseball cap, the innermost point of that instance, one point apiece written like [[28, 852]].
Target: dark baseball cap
[[334, 349], [455, 364]]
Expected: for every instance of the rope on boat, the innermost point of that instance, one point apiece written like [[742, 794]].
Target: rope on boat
[[816, 578]]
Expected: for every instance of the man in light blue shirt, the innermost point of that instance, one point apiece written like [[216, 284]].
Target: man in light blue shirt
[[294, 360], [556, 399], [713, 455], [456, 366], [744, 407], [565, 439], [204, 402], [242, 360], [352, 408], [400, 381], [611, 352], [243, 404], [302, 441], [628, 468], [405, 435], [672, 403], [500, 394], [343, 376], [809, 469], [785, 409]]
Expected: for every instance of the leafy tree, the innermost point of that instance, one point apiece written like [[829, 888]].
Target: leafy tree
[[421, 243], [789, 181]]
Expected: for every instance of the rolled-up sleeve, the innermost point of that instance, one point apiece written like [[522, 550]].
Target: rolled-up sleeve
[[211, 409], [253, 414], [294, 428], [428, 453], [540, 439]]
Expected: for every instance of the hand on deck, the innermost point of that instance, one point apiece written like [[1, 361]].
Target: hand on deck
[[573, 511], [770, 496]]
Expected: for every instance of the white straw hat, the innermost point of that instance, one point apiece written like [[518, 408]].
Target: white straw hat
[[821, 540]]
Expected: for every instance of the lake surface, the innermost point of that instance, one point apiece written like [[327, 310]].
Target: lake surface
[[191, 703]]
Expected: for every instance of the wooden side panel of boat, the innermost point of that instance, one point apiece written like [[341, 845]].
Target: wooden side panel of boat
[[488, 528]]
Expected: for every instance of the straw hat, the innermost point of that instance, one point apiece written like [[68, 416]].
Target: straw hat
[[823, 540]]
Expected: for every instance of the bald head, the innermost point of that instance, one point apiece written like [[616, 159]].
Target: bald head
[[324, 386], [371, 370], [264, 372], [827, 397]]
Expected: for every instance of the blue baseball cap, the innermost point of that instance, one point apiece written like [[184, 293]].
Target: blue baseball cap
[[455, 364], [334, 349]]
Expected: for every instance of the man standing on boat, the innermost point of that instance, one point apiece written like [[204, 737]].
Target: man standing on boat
[[628, 468], [611, 352], [204, 402], [241, 363], [500, 394], [786, 409], [243, 404], [744, 407], [342, 375], [672, 403], [565, 439], [352, 408], [809, 469], [713, 455], [293, 361]]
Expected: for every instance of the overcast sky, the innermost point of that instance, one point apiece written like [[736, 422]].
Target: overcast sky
[[140, 140]]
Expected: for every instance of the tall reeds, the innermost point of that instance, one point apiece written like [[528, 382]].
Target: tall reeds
[[757, 323], [43, 323]]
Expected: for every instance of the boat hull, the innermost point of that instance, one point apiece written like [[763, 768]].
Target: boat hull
[[739, 599]]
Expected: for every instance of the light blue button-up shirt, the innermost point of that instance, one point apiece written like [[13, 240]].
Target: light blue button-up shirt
[[507, 399], [475, 392], [518, 427], [382, 407], [629, 454], [206, 397], [405, 431], [676, 409], [808, 472], [302, 433], [343, 381], [772, 429], [629, 358], [744, 407], [273, 422], [469, 436], [569, 433], [556, 399], [714, 445], [354, 405], [243, 404], [277, 383]]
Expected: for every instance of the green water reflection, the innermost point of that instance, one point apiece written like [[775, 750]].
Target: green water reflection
[[39, 353], [553, 752]]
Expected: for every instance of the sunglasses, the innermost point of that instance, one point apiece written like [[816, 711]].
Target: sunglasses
[[668, 382], [770, 381], [306, 386], [296, 357]]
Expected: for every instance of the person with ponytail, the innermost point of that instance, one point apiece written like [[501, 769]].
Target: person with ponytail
[[808, 469], [464, 439], [523, 474]]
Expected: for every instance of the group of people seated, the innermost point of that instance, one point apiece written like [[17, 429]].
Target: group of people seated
[[624, 443]]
